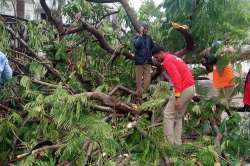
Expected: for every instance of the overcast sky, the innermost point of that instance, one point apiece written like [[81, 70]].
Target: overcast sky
[[136, 4]]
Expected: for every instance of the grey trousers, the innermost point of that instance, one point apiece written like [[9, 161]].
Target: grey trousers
[[210, 91], [143, 78], [172, 122]]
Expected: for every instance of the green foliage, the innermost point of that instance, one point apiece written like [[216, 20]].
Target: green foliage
[[5, 38], [38, 71], [160, 93], [209, 19], [207, 156], [53, 113], [39, 33]]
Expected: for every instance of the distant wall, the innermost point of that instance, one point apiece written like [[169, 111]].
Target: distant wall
[[33, 9]]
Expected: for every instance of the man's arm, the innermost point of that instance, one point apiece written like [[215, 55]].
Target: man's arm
[[138, 42], [7, 72], [152, 43]]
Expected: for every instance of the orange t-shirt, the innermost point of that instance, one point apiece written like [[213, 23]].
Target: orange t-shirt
[[223, 79]]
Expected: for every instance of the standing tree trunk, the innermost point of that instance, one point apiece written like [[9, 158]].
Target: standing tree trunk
[[20, 8], [61, 3]]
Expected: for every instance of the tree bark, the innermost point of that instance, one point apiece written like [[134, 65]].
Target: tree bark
[[107, 100], [20, 8], [53, 20], [131, 14]]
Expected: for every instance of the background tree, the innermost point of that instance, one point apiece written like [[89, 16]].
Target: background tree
[[20, 8], [64, 105]]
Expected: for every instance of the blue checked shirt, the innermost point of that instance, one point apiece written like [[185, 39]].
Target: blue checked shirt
[[5, 69]]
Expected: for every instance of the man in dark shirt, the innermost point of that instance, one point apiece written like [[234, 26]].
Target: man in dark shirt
[[5, 69], [143, 44]]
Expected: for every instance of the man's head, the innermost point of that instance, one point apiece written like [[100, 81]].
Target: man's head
[[144, 27], [158, 52], [209, 59]]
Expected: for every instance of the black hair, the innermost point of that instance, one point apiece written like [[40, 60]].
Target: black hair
[[144, 24], [211, 59], [157, 49]]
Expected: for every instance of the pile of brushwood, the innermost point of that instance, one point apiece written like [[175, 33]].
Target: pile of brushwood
[[71, 101]]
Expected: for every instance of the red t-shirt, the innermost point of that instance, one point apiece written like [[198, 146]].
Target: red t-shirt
[[246, 98], [179, 73]]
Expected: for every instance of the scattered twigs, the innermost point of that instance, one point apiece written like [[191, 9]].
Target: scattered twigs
[[121, 88], [218, 137], [36, 151], [5, 108], [45, 83], [107, 15], [89, 152]]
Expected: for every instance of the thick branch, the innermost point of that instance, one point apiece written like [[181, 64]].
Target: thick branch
[[58, 24], [107, 100], [131, 14], [122, 88], [186, 32], [130, 11], [42, 149], [98, 35], [9, 18], [218, 137]]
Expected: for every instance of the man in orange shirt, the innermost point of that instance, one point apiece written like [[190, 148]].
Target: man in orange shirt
[[223, 79]]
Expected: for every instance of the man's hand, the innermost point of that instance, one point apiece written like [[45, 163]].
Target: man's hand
[[177, 104], [141, 30]]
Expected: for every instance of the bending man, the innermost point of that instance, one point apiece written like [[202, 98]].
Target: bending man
[[183, 83]]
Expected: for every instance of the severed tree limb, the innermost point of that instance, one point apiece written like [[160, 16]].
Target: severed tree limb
[[107, 100], [88, 155], [103, 108], [45, 83], [186, 32], [218, 137], [110, 103], [36, 151], [87, 27], [54, 21], [98, 35], [122, 88], [7, 18], [131, 14], [71, 30]]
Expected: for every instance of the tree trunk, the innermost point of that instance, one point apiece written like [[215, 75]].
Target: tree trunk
[[20, 8]]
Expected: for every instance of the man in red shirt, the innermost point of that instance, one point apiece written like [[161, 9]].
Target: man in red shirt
[[183, 84], [246, 98]]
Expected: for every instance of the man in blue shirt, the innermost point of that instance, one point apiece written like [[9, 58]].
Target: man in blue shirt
[[5, 69], [143, 45]]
